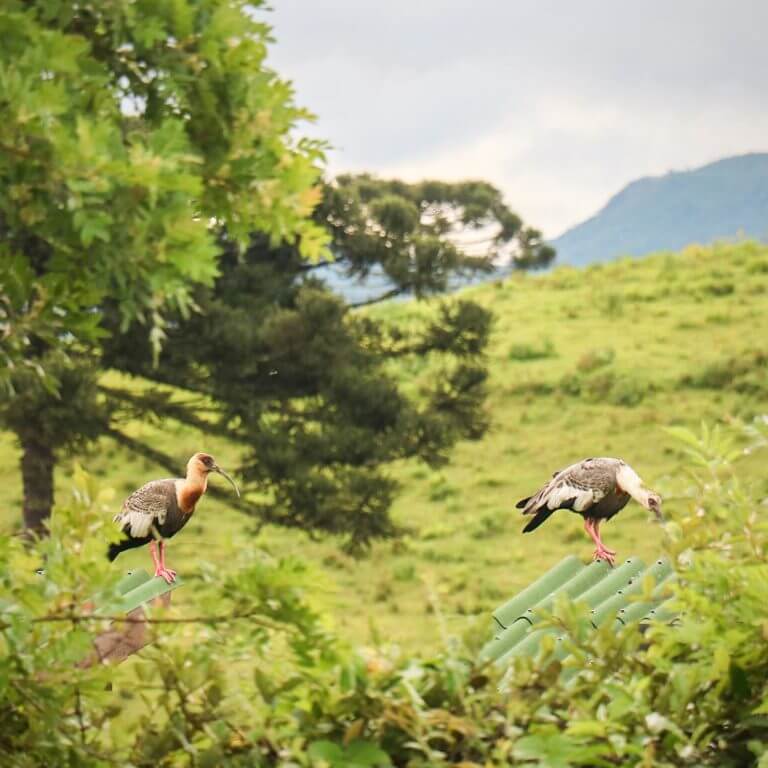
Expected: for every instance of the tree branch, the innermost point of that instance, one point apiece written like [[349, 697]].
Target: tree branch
[[178, 411], [223, 618], [388, 295], [316, 265]]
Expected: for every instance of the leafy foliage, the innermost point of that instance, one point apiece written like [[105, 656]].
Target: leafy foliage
[[301, 383], [131, 134], [422, 234], [277, 688]]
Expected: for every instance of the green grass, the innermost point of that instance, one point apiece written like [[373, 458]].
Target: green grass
[[583, 363]]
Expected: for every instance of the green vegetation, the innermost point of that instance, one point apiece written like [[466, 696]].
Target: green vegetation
[[462, 542], [133, 136], [125, 128], [160, 216], [155, 198], [265, 683]]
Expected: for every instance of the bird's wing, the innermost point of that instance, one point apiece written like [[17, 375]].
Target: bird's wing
[[146, 507], [577, 487]]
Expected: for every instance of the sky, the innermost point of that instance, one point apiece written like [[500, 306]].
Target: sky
[[558, 103]]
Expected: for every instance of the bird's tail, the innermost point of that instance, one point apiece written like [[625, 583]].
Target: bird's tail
[[113, 551], [538, 519], [521, 504]]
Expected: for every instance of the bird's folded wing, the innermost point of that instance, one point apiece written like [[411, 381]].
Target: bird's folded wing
[[145, 507], [569, 495], [569, 489]]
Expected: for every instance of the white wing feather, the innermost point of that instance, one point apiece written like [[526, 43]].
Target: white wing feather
[[144, 508]]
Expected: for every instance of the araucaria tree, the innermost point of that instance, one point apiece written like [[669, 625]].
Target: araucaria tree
[[304, 382], [132, 134]]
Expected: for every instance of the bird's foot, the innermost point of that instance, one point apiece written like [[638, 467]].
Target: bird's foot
[[166, 573], [605, 554]]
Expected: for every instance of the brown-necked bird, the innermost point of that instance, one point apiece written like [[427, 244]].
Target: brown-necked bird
[[595, 488], [161, 508]]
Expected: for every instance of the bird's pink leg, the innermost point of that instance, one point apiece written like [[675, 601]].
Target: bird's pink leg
[[159, 562], [600, 541], [169, 571], [592, 527]]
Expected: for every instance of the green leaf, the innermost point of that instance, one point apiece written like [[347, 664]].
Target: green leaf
[[325, 751]]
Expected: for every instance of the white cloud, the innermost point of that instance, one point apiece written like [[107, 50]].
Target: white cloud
[[559, 104]]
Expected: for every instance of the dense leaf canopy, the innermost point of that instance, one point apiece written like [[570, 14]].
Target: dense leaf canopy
[[301, 382], [131, 133]]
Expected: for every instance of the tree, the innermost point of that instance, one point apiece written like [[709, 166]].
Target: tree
[[303, 382], [155, 141], [133, 133], [422, 234]]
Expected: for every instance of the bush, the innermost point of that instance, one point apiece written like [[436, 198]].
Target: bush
[[525, 352], [606, 386], [263, 683], [595, 358], [746, 373], [719, 289]]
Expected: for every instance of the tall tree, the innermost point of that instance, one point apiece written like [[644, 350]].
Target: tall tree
[[304, 384], [420, 235], [132, 134]]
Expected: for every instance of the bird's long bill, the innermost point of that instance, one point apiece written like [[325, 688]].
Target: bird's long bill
[[220, 471]]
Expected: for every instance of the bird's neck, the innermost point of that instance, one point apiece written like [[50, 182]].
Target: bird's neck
[[629, 482], [190, 489]]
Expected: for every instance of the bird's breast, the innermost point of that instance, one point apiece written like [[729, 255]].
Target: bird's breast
[[187, 497]]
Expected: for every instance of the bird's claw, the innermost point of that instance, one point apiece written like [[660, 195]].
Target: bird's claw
[[167, 574], [605, 554]]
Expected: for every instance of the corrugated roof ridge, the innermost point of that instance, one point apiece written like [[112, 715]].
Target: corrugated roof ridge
[[607, 591]]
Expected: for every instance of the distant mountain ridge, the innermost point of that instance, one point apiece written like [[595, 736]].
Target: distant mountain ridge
[[724, 200]]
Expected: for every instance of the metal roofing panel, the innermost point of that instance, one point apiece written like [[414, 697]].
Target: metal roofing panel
[[609, 593], [137, 588]]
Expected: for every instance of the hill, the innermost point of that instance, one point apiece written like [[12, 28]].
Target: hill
[[724, 200], [583, 362]]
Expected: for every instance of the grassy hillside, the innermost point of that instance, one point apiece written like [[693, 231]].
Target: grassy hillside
[[589, 362], [725, 199]]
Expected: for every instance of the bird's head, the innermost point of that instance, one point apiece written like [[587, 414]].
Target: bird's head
[[204, 464], [654, 504]]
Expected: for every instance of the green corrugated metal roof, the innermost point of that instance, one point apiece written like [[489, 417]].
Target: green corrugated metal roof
[[137, 588], [609, 594]]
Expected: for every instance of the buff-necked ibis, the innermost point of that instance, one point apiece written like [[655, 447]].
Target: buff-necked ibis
[[161, 508], [595, 488]]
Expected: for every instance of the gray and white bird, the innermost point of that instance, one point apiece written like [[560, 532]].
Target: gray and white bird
[[161, 508], [597, 489]]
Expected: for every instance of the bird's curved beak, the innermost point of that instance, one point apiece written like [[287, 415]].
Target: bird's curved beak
[[216, 468]]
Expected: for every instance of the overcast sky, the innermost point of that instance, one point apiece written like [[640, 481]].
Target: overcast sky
[[559, 103]]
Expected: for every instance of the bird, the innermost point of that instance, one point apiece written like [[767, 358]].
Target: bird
[[161, 508], [596, 488]]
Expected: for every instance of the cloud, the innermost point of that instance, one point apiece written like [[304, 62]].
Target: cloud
[[560, 104]]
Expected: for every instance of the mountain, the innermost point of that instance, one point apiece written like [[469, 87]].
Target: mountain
[[725, 200]]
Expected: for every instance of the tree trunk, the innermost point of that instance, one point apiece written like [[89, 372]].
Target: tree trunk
[[37, 462]]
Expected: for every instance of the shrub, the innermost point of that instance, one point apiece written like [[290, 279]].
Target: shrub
[[606, 386], [263, 683], [524, 352], [595, 358], [611, 304], [490, 525], [440, 490], [719, 289], [758, 267], [746, 373]]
